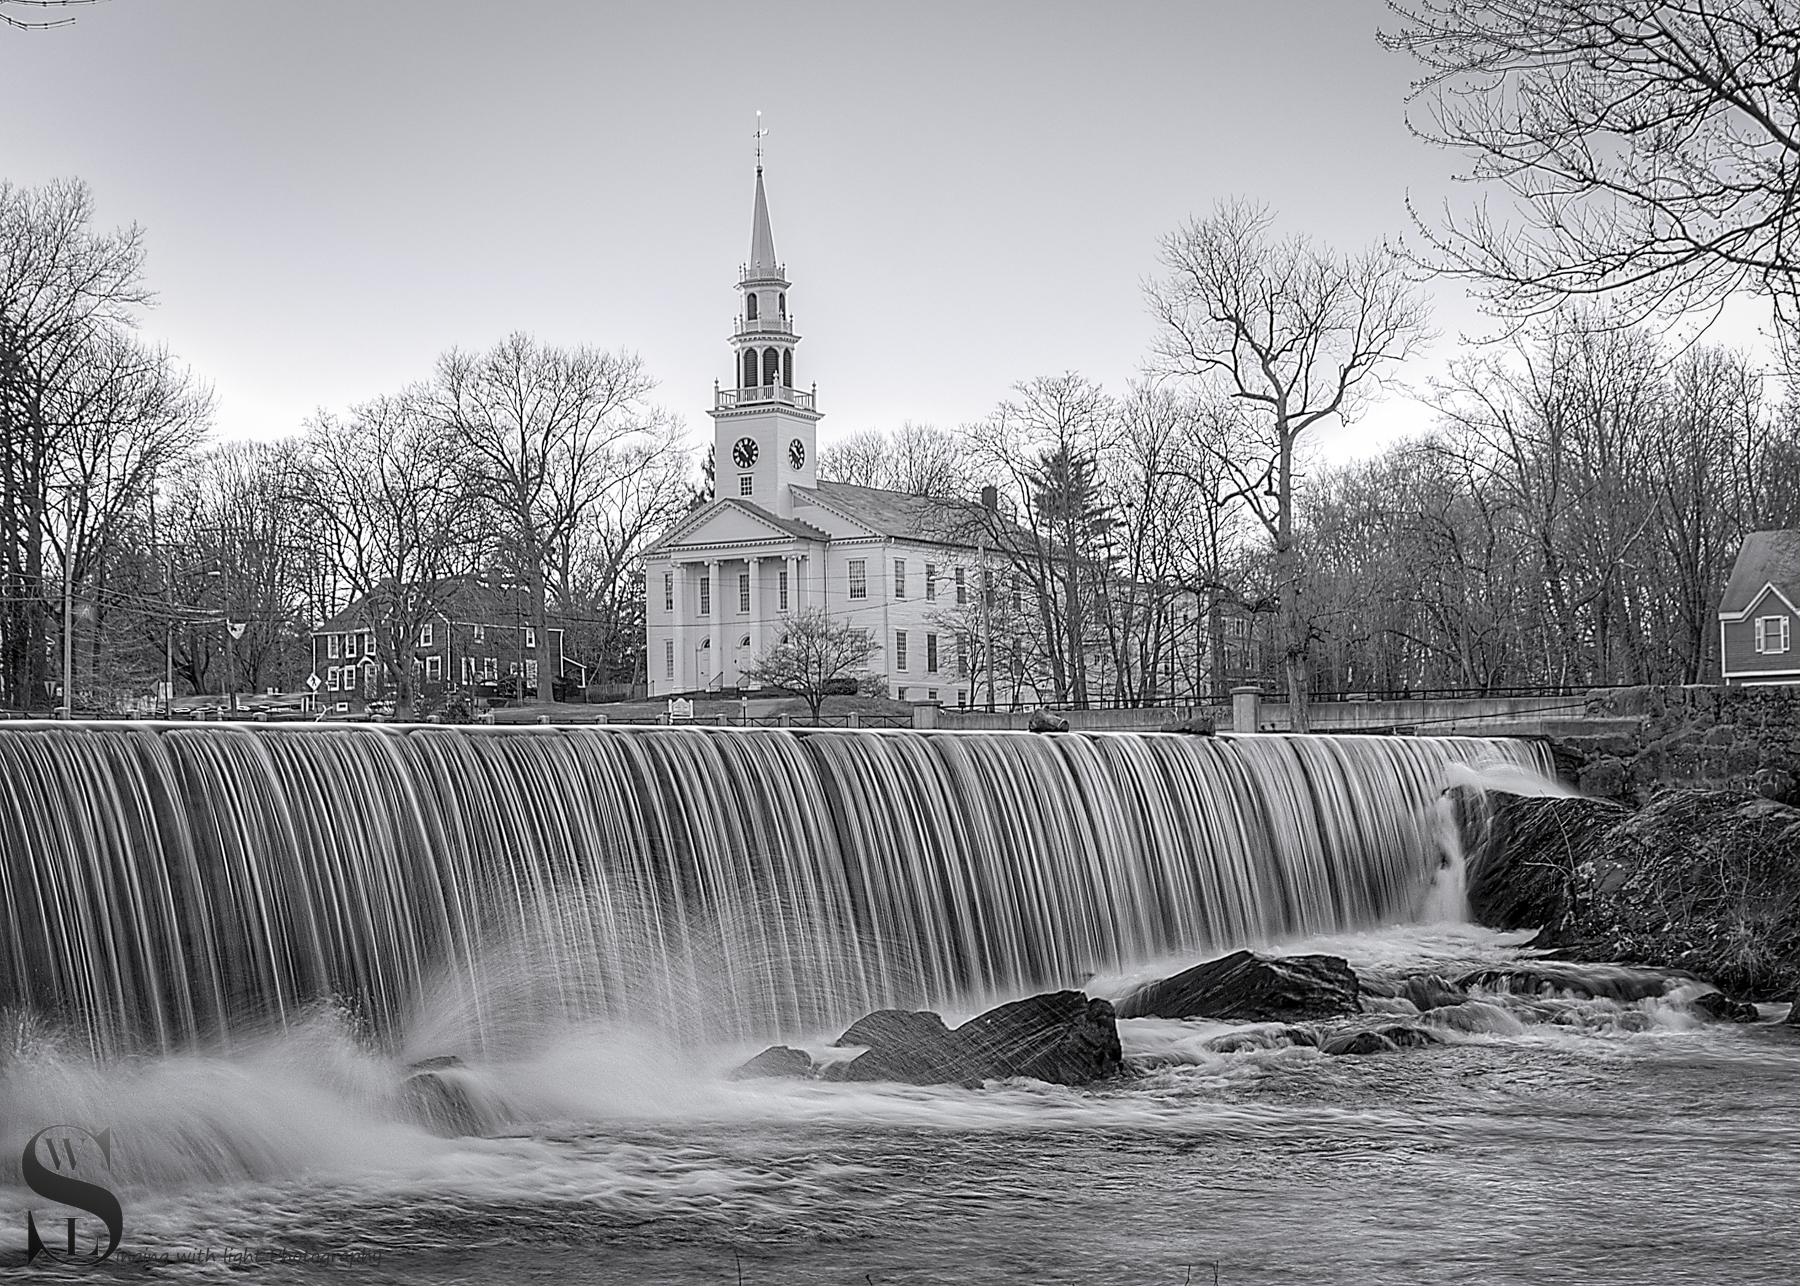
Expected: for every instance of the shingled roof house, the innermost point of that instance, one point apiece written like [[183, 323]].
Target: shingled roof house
[[1758, 613], [777, 540]]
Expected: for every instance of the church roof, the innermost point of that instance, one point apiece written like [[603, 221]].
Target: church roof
[[692, 522], [899, 514], [1766, 558], [762, 237]]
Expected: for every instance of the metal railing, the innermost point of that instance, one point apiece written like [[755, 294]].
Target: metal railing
[[764, 394]]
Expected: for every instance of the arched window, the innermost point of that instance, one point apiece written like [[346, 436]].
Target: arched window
[[781, 303], [750, 305], [771, 366], [787, 367], [750, 379]]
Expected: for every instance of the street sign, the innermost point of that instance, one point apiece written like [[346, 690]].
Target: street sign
[[312, 682], [236, 628]]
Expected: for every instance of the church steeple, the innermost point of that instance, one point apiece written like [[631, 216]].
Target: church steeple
[[765, 430], [762, 239]]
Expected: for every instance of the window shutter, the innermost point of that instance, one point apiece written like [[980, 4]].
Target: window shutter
[[1784, 634], [1761, 632]]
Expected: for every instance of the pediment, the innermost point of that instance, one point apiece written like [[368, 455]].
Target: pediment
[[731, 522]]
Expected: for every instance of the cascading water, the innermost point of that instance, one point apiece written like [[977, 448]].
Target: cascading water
[[172, 886]]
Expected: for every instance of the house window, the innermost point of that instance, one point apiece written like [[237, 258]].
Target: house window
[[931, 654], [480, 633], [331, 678], [531, 671], [425, 634], [705, 595], [931, 582], [331, 646], [899, 578], [1012, 585], [668, 658], [746, 484], [668, 591], [931, 694], [962, 657], [859, 578], [1772, 635], [962, 587], [782, 581], [530, 637], [490, 668], [743, 591], [899, 649], [468, 670], [369, 643], [434, 668]]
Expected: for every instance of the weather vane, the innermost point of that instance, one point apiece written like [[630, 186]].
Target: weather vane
[[761, 134]]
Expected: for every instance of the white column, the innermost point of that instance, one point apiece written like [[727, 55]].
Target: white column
[[791, 564], [756, 609], [711, 623], [677, 630]]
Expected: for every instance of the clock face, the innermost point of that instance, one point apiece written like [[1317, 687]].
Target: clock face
[[744, 452], [796, 453]]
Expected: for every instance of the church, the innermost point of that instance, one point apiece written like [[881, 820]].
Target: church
[[776, 539]]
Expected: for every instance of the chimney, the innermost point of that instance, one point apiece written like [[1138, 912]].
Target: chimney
[[990, 498]]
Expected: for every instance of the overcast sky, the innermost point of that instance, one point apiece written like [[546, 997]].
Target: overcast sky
[[966, 195]]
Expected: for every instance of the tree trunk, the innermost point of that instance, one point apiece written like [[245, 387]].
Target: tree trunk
[[1296, 638], [540, 623]]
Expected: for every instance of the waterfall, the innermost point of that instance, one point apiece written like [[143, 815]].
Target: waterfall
[[169, 887]]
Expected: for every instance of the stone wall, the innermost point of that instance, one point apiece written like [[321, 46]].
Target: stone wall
[[1698, 735]]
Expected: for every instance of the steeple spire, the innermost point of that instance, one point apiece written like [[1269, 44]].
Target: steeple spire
[[763, 265]]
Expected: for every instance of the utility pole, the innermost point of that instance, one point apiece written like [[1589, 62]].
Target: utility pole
[[68, 639], [987, 621]]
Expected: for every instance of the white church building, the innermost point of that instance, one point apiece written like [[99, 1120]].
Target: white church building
[[776, 539]]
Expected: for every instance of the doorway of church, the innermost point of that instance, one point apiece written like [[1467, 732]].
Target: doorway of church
[[741, 659], [703, 666]]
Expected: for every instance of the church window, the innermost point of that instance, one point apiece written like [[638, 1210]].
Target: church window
[[705, 595], [962, 587], [668, 658], [783, 588], [931, 655], [899, 578], [750, 305], [781, 302], [743, 591], [899, 649], [931, 582], [668, 593], [749, 368], [787, 367], [859, 578], [771, 366], [746, 483]]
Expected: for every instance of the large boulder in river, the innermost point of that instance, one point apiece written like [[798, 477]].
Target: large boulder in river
[[1244, 987], [1703, 881], [776, 1060], [1062, 1037]]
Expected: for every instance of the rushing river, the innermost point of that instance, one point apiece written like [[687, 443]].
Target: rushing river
[[227, 947], [1577, 1141]]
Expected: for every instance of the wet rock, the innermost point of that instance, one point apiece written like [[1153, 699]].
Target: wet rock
[[894, 1027], [1587, 982], [1379, 1040], [1244, 987], [1062, 1037], [1044, 721], [437, 1064], [1428, 991], [1238, 1042], [437, 1098], [776, 1060], [1722, 1008], [1523, 851]]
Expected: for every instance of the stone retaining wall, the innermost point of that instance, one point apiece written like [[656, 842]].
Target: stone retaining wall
[[1698, 735]]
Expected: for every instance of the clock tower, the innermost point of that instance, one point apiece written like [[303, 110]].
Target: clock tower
[[765, 430]]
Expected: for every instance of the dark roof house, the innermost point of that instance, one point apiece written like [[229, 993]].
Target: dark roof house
[[1760, 609]]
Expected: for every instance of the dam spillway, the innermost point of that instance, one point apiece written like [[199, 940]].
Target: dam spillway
[[172, 887]]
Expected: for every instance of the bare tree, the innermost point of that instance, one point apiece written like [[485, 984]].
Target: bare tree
[[535, 428], [1294, 334], [386, 491], [918, 459], [37, 24], [1651, 148], [814, 653]]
